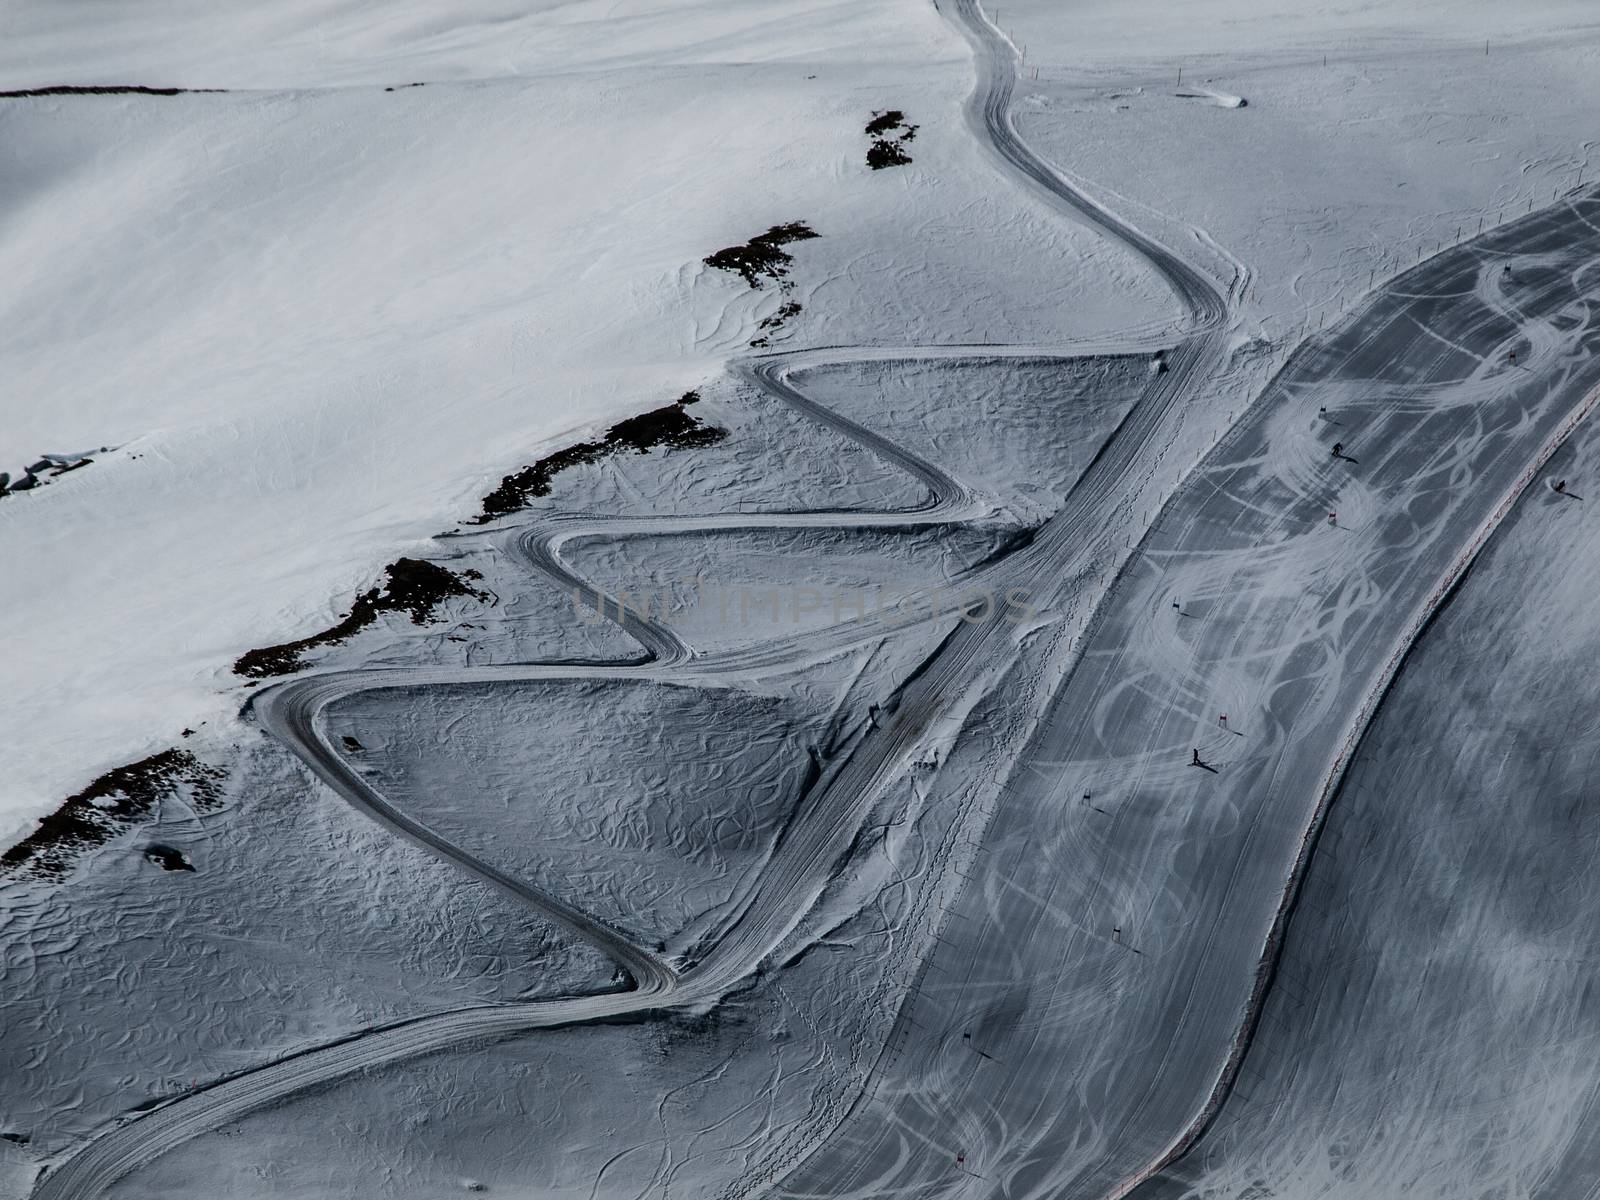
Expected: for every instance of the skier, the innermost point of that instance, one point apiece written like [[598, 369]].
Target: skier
[[1338, 449], [1223, 720], [1561, 485], [1195, 761], [1333, 519], [1177, 606], [1116, 934], [1513, 358]]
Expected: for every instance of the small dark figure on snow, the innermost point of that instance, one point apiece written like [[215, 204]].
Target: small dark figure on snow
[[1338, 449], [1333, 519], [1195, 761], [1561, 485]]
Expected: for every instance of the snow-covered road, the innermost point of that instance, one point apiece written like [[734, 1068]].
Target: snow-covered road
[[968, 661], [1106, 958]]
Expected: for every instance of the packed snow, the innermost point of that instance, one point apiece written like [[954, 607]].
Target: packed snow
[[1251, 347], [317, 318]]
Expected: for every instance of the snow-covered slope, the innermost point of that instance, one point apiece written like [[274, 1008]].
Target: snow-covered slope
[[953, 909], [336, 43], [1115, 33], [1371, 133], [316, 324]]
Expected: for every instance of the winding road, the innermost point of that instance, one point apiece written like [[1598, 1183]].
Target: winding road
[[1129, 1042]]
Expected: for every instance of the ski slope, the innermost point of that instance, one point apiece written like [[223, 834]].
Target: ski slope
[[1038, 921], [317, 319], [1109, 954], [779, 898]]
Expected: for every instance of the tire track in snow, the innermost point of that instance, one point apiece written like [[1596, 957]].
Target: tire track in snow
[[292, 712]]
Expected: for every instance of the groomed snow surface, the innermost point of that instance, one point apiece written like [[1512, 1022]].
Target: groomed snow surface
[[849, 905], [318, 319]]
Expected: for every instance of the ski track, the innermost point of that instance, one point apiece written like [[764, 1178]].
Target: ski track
[[941, 692]]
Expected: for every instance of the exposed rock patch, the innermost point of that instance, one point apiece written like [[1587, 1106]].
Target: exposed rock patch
[[890, 133], [415, 587], [115, 802], [671, 427], [763, 256]]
